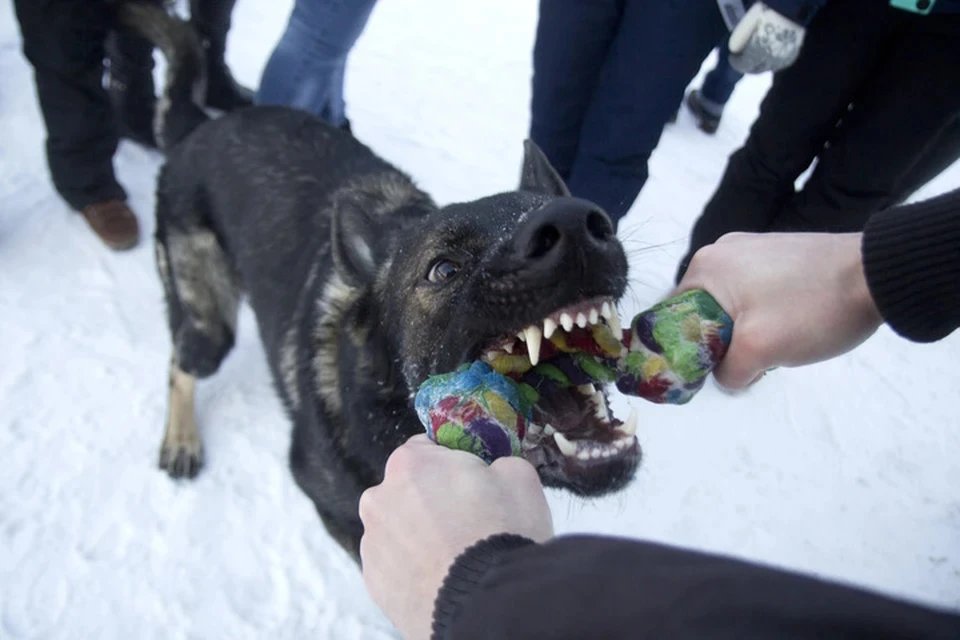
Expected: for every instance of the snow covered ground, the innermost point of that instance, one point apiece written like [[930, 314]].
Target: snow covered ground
[[849, 469]]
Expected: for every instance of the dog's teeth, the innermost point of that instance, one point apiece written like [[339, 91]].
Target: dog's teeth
[[522, 336], [594, 316], [549, 326], [584, 454], [586, 389], [605, 310], [581, 320], [508, 347], [490, 356], [614, 322], [600, 411], [549, 430], [566, 321], [629, 428], [595, 453], [534, 335], [598, 399], [608, 452], [566, 447], [533, 428]]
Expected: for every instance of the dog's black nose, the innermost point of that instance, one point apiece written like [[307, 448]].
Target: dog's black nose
[[562, 224]]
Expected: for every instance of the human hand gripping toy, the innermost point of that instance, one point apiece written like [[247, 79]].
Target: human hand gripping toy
[[489, 407]]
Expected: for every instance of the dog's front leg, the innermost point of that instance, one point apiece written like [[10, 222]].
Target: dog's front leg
[[181, 452]]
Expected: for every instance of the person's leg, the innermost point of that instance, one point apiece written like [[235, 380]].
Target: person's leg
[[659, 47], [211, 18], [572, 41], [909, 99], [64, 42], [797, 116], [707, 103], [306, 68], [719, 84]]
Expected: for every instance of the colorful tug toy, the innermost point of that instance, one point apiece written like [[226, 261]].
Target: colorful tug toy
[[665, 357]]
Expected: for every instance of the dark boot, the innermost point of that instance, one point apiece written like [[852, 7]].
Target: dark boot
[[211, 18], [130, 86], [706, 113]]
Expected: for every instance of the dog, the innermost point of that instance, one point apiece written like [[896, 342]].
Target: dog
[[363, 287]]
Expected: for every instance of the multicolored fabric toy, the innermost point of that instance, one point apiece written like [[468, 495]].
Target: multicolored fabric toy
[[673, 347], [474, 409], [664, 357]]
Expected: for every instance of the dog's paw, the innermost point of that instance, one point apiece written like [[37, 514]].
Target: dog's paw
[[181, 460]]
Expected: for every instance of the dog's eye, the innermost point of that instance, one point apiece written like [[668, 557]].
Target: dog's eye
[[443, 270]]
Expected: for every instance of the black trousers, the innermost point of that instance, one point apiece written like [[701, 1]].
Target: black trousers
[[874, 87], [607, 76], [64, 42]]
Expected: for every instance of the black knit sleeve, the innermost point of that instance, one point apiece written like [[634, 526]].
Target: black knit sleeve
[[911, 258], [577, 587]]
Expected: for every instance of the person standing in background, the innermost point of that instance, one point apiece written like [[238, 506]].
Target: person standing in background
[[66, 43], [874, 87]]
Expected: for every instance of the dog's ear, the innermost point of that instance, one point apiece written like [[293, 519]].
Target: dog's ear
[[354, 241], [538, 175]]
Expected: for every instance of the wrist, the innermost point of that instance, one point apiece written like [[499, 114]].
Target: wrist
[[855, 281]]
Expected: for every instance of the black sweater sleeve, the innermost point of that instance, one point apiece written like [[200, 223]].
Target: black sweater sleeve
[[507, 587], [911, 257]]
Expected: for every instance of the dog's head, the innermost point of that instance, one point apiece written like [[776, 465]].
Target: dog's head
[[490, 278]]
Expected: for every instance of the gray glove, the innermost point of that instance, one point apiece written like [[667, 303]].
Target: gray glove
[[764, 40]]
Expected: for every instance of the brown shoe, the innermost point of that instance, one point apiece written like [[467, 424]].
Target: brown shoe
[[114, 223]]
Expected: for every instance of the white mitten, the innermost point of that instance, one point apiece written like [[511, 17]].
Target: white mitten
[[764, 40]]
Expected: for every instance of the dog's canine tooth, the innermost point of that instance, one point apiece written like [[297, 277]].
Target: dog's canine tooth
[[581, 320], [566, 447], [566, 321], [614, 322], [549, 326], [586, 389], [508, 347], [533, 428], [605, 310], [594, 316], [629, 428], [534, 336]]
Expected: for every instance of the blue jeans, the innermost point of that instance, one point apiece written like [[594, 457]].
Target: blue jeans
[[719, 84], [306, 69]]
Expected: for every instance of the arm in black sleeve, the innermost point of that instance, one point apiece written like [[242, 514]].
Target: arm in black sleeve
[[508, 587], [911, 258]]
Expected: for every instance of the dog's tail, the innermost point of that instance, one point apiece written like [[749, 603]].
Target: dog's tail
[[180, 108]]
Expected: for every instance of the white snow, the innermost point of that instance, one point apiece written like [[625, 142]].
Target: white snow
[[849, 469]]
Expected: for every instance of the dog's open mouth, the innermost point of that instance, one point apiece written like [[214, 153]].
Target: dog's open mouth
[[568, 358]]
